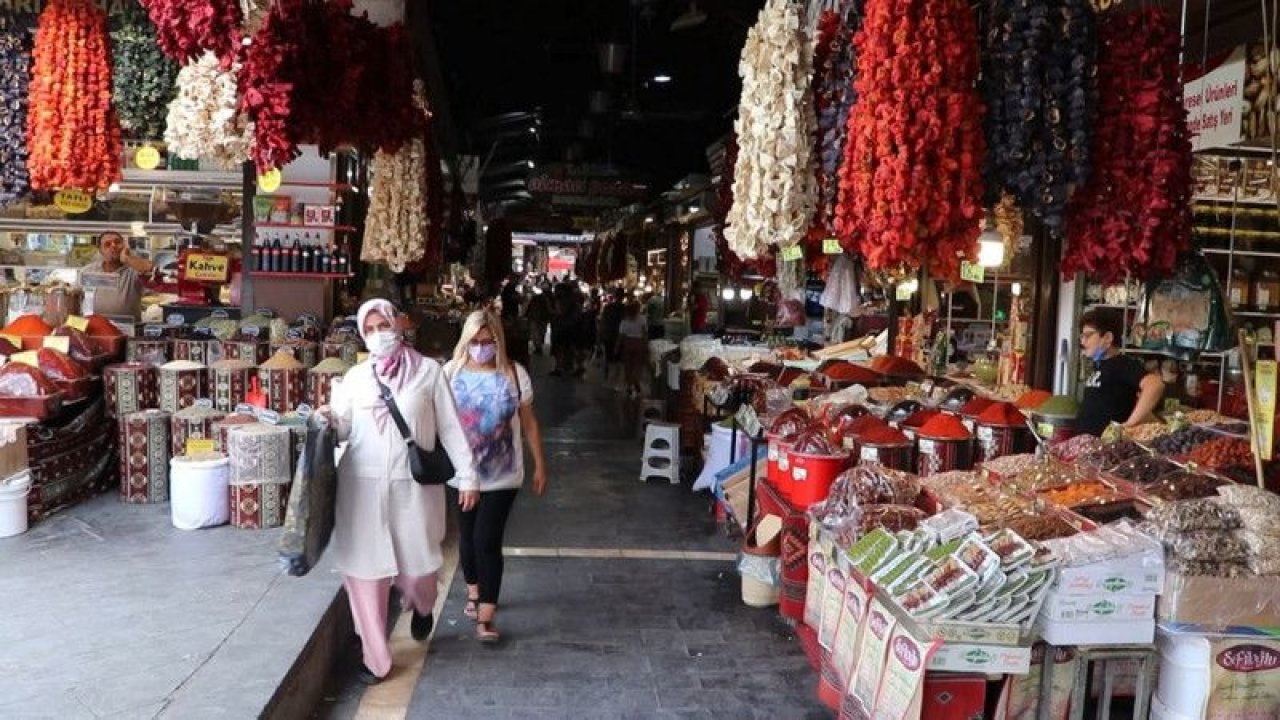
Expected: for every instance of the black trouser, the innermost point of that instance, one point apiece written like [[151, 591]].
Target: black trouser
[[480, 544]]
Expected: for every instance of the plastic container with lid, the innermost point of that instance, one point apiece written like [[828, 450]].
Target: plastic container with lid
[[1238, 290], [1266, 290]]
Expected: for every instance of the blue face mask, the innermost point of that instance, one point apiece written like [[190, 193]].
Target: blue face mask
[[1098, 355]]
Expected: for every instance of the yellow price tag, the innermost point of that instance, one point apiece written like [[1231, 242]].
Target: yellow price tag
[[792, 253], [13, 340], [61, 343], [76, 322], [147, 158], [361, 357], [972, 272], [73, 202], [198, 446], [903, 293], [26, 358], [831, 246], [270, 180]]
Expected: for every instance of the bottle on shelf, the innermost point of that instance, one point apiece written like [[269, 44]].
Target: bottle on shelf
[[277, 256], [295, 257], [308, 259]]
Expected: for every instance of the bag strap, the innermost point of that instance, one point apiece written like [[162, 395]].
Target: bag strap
[[515, 379], [385, 393]]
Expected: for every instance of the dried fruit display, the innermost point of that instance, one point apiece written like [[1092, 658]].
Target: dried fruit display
[[143, 77], [15, 75], [73, 136], [1037, 84], [911, 182], [773, 185], [203, 121], [186, 29], [1133, 216], [834, 95], [396, 227], [1223, 452]]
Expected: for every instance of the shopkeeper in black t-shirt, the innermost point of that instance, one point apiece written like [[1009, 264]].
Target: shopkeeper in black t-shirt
[[1119, 389]]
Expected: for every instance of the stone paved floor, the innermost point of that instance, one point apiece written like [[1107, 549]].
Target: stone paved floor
[[607, 637]]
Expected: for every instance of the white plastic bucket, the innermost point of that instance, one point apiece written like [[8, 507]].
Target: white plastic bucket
[[718, 451], [1184, 675], [1161, 711], [199, 494], [13, 504]]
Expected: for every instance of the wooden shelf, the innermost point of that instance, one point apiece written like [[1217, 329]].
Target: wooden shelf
[[291, 226], [302, 276], [340, 187], [1255, 313], [1112, 306], [1242, 253]]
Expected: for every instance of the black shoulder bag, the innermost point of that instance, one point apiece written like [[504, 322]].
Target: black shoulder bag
[[428, 467]]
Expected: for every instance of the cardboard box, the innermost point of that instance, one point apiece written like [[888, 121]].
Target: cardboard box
[[994, 659], [1106, 608], [1132, 632], [1137, 575]]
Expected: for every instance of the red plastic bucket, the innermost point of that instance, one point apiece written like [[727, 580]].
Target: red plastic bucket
[[993, 441], [777, 475], [895, 456], [811, 476], [939, 455]]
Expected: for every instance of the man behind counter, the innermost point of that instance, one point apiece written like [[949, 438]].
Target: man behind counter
[[1119, 389], [116, 278]]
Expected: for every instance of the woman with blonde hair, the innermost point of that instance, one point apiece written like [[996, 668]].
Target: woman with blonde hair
[[388, 528], [495, 406]]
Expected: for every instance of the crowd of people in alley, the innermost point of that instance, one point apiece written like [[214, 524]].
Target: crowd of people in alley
[[580, 326]]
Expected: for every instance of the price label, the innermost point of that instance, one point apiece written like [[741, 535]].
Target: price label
[[928, 447], [27, 357], [792, 253], [304, 410], [972, 272], [246, 409], [270, 180], [903, 293], [76, 322], [13, 340], [205, 403], [175, 320], [268, 417], [251, 330], [153, 331], [1265, 387], [199, 446], [61, 343], [147, 158], [219, 315], [831, 246], [870, 455], [748, 420], [294, 334], [73, 202], [265, 312]]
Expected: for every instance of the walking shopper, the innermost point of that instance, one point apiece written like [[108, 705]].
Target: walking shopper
[[388, 528], [495, 404], [633, 346]]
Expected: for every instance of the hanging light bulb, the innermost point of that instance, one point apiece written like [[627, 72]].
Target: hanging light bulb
[[727, 293], [746, 293], [990, 244]]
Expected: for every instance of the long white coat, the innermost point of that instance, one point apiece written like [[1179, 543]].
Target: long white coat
[[386, 524]]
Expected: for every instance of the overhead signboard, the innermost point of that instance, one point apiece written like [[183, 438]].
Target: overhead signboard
[[586, 186], [1216, 104]]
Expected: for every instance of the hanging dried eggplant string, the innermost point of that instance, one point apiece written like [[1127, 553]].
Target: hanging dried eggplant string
[[15, 75], [143, 77]]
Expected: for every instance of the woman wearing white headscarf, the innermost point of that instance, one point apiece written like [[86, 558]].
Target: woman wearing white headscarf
[[388, 528]]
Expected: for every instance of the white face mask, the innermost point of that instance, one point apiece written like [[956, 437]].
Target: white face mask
[[382, 343]]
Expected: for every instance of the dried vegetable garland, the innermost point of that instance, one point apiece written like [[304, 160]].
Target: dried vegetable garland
[[143, 77], [1037, 82], [774, 181], [73, 136], [911, 182], [1134, 214], [186, 29], [15, 75], [396, 227], [834, 95], [731, 265], [203, 120]]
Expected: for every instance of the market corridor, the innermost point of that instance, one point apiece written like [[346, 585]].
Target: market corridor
[[620, 601]]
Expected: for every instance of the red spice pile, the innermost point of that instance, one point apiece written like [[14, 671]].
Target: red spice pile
[[28, 326], [894, 365], [945, 427], [921, 418], [1002, 414], [882, 435], [100, 326], [1032, 399], [975, 407], [849, 372]]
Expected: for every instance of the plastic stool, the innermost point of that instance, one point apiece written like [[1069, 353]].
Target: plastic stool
[[661, 452], [650, 411]]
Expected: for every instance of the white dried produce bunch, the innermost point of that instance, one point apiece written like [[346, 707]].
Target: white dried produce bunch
[[396, 229], [774, 185], [203, 121]]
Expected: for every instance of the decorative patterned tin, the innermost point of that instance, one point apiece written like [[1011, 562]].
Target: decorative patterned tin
[[286, 388], [260, 453], [201, 351], [320, 380], [254, 507], [895, 456], [152, 350], [195, 422], [181, 382], [306, 352], [939, 455], [995, 441], [254, 352], [131, 387], [229, 382], [223, 427], [144, 457], [347, 350]]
